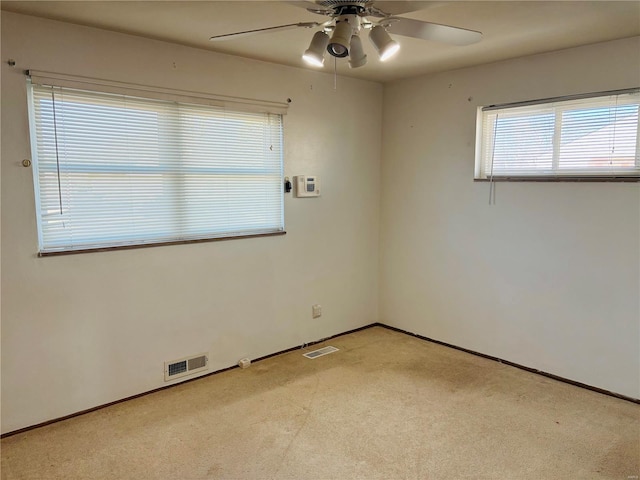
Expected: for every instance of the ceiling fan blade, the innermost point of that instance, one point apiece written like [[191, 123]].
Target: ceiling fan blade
[[399, 7], [311, 6], [233, 36], [431, 31]]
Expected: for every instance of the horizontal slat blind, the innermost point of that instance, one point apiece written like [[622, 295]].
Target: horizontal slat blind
[[587, 137], [116, 170], [157, 93]]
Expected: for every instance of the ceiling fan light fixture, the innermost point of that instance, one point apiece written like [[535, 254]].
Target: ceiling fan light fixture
[[339, 44], [385, 46], [357, 57], [314, 55]]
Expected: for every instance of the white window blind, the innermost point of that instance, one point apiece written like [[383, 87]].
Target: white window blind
[[588, 137], [118, 170]]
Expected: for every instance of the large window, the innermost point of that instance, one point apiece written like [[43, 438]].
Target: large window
[[119, 170], [592, 137]]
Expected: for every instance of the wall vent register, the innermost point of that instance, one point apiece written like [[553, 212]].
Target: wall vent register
[[320, 352], [185, 366]]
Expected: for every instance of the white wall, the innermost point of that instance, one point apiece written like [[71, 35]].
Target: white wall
[[549, 277], [82, 330]]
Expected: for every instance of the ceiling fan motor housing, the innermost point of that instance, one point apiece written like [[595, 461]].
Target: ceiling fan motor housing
[[335, 4]]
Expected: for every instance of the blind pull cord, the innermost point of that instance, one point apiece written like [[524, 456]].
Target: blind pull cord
[[492, 185], [613, 140], [55, 136]]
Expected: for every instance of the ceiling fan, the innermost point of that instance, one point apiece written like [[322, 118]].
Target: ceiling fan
[[340, 35]]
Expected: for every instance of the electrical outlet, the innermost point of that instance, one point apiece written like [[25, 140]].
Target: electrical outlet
[[316, 311]]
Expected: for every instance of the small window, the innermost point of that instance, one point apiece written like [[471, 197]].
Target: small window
[[571, 138], [116, 170]]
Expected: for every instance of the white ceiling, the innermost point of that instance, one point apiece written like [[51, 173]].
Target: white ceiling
[[510, 29]]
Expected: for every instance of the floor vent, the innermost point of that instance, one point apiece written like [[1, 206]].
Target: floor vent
[[320, 352], [185, 366]]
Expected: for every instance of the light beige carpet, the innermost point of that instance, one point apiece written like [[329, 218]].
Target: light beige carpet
[[386, 406]]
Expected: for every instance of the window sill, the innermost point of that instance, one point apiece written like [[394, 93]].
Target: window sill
[[632, 179], [158, 244]]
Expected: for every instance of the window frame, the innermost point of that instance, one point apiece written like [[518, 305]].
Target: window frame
[[555, 174], [151, 94]]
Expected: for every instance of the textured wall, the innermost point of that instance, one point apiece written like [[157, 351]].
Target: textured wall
[[549, 276], [82, 330]]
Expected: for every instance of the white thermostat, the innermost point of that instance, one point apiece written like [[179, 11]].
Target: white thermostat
[[307, 186]]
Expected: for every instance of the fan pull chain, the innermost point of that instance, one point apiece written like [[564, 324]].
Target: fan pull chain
[[335, 73]]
